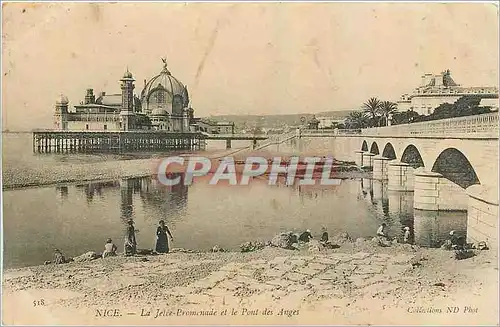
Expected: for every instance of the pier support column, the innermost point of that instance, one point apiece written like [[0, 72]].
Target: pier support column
[[228, 144], [400, 177], [482, 215], [359, 158], [434, 192], [368, 160], [380, 167]]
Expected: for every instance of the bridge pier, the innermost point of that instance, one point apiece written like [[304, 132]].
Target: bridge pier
[[359, 158], [434, 192], [380, 165], [368, 160], [482, 215], [431, 228], [400, 177], [228, 144]]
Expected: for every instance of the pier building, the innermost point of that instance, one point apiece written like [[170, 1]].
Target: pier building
[[163, 104]]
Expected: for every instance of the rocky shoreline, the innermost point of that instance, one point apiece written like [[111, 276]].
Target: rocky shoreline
[[328, 286]]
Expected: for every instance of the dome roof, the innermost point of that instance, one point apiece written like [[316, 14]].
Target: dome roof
[[127, 74], [62, 99], [169, 83]]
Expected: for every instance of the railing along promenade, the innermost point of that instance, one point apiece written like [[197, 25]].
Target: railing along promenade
[[276, 139], [477, 126]]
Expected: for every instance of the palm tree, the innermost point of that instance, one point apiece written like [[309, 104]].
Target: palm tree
[[371, 107], [386, 108], [357, 119]]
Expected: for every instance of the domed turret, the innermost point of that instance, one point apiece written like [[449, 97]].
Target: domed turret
[[127, 74], [62, 99]]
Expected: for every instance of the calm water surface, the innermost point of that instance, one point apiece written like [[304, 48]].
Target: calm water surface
[[79, 217]]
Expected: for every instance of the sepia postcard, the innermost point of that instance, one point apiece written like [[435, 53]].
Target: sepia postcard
[[250, 163]]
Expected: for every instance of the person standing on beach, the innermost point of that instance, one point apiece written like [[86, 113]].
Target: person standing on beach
[[130, 241], [161, 237]]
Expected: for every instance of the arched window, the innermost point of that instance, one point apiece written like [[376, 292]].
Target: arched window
[[159, 96]]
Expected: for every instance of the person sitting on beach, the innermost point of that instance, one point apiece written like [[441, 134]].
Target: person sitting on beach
[[58, 257], [130, 241], [109, 249], [381, 231], [161, 237], [406, 236], [305, 236], [457, 241]]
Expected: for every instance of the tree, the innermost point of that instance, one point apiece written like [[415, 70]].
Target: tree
[[465, 106], [356, 119], [405, 117], [371, 107], [386, 108]]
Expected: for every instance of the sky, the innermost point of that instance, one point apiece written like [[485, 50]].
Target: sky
[[240, 58]]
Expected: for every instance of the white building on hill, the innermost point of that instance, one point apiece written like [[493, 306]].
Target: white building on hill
[[438, 89]]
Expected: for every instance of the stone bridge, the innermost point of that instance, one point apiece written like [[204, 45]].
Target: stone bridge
[[449, 164]]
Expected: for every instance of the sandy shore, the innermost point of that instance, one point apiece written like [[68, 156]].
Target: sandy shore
[[57, 173], [355, 284]]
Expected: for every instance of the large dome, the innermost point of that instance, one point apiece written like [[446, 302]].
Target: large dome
[[165, 92]]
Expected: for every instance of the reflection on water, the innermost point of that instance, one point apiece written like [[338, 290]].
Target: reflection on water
[[79, 218]]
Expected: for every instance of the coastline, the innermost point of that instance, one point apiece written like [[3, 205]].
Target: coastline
[[338, 286], [65, 173], [21, 177]]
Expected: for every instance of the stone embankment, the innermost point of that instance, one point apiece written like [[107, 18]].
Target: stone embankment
[[356, 284]]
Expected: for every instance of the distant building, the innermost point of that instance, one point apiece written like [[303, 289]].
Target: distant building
[[438, 89], [313, 123], [489, 102], [328, 122], [211, 127]]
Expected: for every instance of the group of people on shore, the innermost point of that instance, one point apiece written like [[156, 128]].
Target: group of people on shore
[[130, 246], [307, 236], [383, 234]]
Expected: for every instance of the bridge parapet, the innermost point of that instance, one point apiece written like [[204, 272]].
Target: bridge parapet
[[276, 139], [477, 126], [330, 132]]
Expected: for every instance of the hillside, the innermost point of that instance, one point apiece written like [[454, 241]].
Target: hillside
[[269, 121]]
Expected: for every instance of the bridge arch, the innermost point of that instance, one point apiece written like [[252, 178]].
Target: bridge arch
[[374, 148], [454, 166], [364, 146], [412, 156], [389, 152]]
